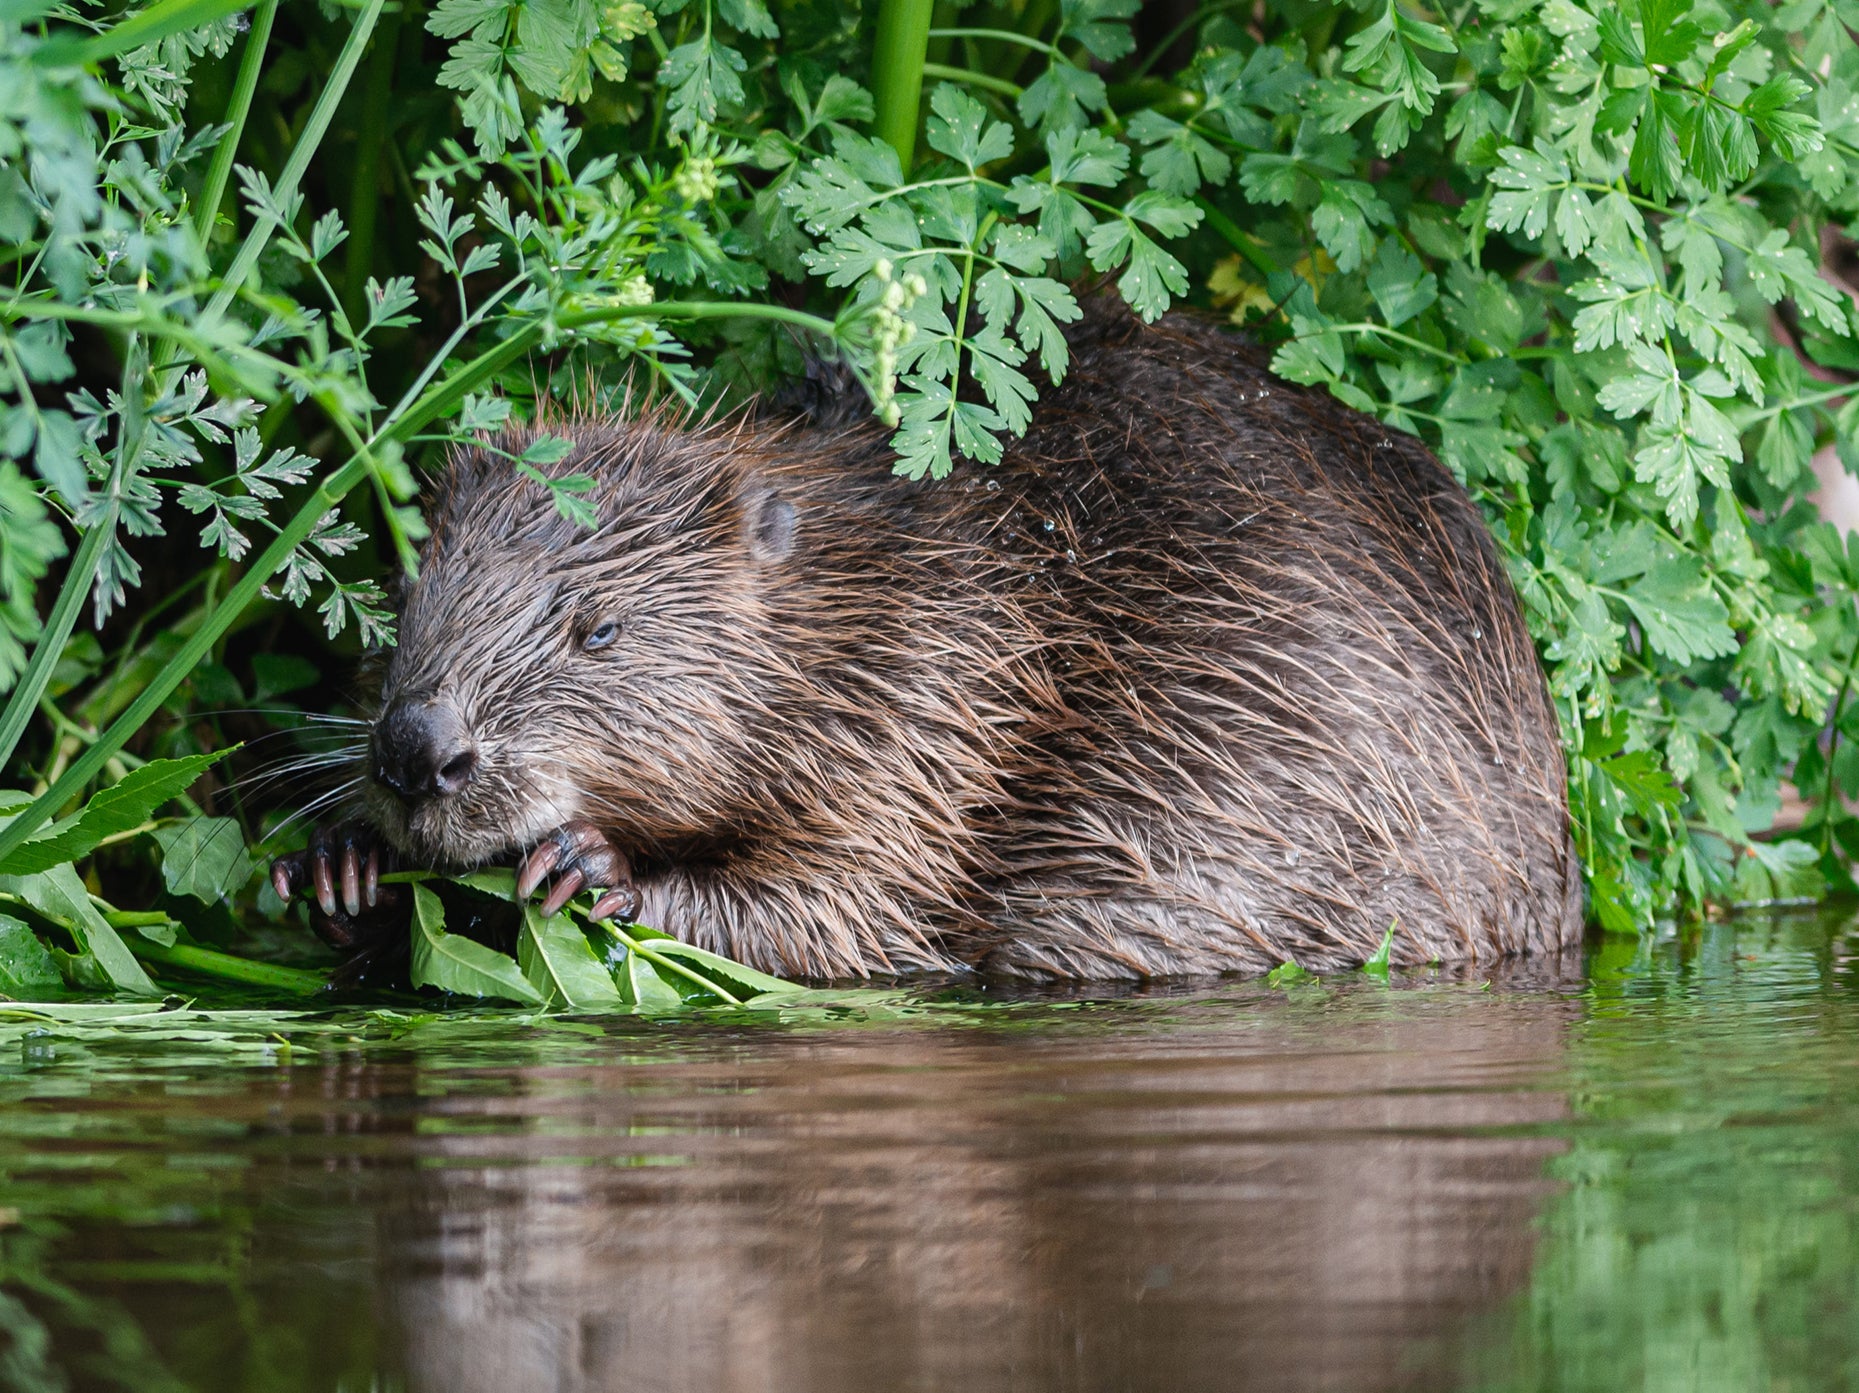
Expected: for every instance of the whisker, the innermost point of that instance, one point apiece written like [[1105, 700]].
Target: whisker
[[316, 805]]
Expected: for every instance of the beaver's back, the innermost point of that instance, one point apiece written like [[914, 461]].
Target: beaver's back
[[1264, 686]]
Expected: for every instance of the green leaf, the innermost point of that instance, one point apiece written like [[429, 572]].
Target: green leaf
[[702, 76], [961, 128], [60, 896], [641, 982], [1654, 163], [1085, 157], [743, 982], [1645, 782], [204, 857], [1401, 286], [1100, 26], [453, 963], [1671, 36], [1530, 181], [1377, 964], [1770, 871], [118, 808], [1681, 614], [1061, 97], [1343, 219], [1289, 974], [27, 971], [1152, 276], [557, 960]]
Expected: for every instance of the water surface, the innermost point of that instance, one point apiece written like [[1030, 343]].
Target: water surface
[[1641, 1172]]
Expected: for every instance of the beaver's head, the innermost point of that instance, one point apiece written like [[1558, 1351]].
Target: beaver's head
[[548, 671]]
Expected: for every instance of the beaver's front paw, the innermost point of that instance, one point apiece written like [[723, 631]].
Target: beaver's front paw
[[341, 872], [580, 855]]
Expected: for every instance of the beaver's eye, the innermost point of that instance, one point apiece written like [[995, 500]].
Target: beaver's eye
[[604, 634]]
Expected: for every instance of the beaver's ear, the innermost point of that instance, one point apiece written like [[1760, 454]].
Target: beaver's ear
[[768, 520]]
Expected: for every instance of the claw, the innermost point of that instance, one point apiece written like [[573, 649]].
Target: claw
[[536, 867], [565, 890], [622, 903], [371, 880], [351, 881], [281, 879], [325, 886]]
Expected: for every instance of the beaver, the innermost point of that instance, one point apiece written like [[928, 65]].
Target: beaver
[[1208, 673]]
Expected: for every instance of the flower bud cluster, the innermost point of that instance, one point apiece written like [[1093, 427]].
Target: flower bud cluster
[[891, 331], [697, 180]]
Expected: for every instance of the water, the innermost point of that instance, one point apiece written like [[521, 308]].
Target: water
[[1644, 1175]]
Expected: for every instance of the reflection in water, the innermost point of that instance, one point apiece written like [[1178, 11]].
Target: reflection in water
[[1707, 1234], [1215, 1195], [1647, 1179]]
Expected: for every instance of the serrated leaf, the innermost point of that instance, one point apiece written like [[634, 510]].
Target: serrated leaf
[[118, 808], [1645, 782], [1401, 286]]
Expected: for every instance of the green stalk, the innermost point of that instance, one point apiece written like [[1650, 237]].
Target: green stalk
[[226, 967], [897, 73], [1011, 90], [300, 156], [435, 403], [219, 173], [634, 945], [364, 192], [52, 638], [1235, 237]]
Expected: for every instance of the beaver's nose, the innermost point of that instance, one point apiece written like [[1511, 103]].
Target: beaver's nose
[[422, 750]]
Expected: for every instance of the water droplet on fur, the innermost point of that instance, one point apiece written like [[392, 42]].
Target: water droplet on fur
[[1293, 856], [994, 485], [1071, 556], [1477, 632], [1049, 524], [1497, 759]]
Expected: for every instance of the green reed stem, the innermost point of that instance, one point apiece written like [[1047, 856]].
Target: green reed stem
[[300, 156], [371, 138], [52, 639], [897, 59], [244, 87]]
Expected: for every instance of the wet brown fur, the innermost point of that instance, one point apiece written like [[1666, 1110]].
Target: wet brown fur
[[1210, 672]]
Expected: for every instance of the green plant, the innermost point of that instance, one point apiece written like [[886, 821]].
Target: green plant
[[1575, 246]]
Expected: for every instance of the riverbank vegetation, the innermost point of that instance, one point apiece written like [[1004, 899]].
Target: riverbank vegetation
[[265, 263]]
